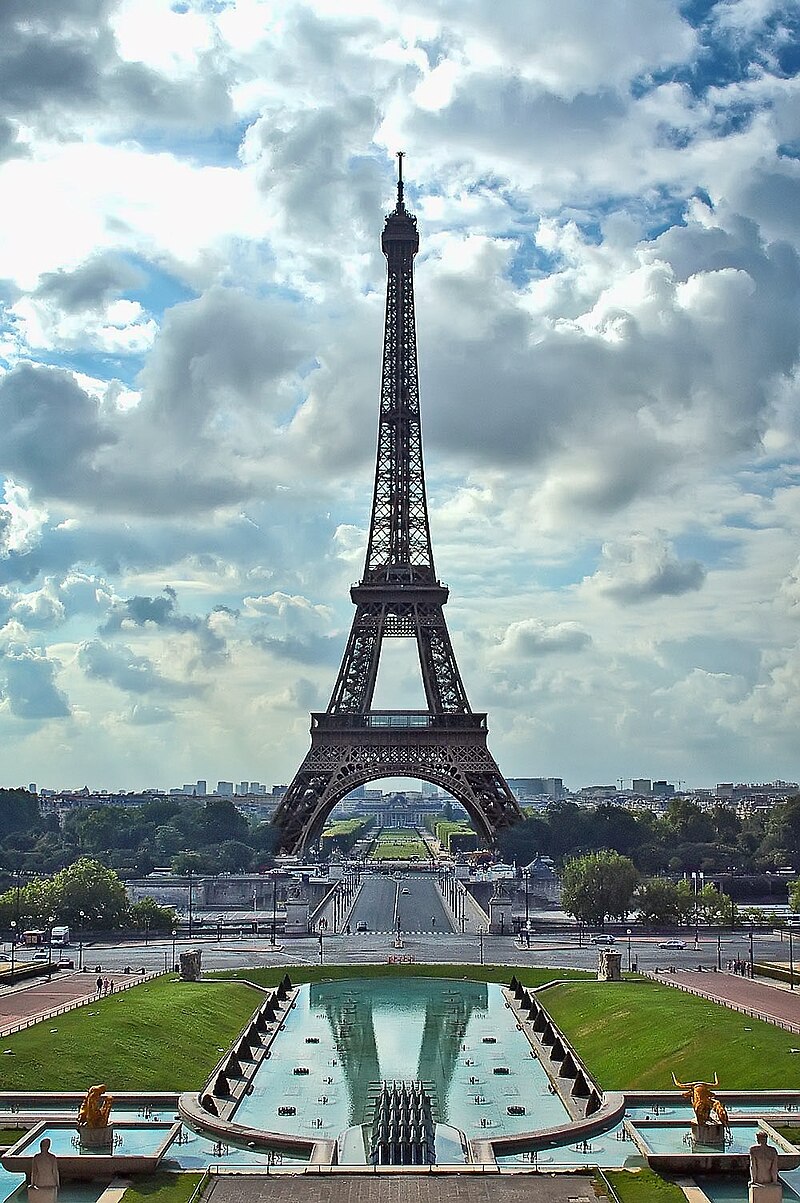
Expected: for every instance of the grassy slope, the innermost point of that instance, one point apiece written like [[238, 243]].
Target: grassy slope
[[643, 1186], [161, 1035], [635, 1034], [326, 973], [163, 1188]]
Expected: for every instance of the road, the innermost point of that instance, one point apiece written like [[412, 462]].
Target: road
[[411, 903], [555, 949]]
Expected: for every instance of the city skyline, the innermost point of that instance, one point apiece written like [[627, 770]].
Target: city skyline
[[607, 302]]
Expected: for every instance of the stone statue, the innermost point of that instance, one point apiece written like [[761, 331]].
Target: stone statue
[[764, 1184], [704, 1102], [95, 1108], [45, 1179]]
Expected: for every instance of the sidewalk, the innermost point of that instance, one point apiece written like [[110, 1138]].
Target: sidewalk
[[752, 997], [28, 1002]]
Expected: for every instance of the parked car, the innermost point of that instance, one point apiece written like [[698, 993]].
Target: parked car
[[672, 944], [41, 955], [603, 939], [405, 890], [361, 926]]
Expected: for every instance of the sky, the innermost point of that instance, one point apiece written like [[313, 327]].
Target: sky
[[191, 201]]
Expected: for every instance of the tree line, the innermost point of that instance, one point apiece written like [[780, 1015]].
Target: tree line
[[683, 839], [211, 836]]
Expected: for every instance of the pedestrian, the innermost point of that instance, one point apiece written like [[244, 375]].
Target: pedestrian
[[106, 985], [111, 985], [99, 986]]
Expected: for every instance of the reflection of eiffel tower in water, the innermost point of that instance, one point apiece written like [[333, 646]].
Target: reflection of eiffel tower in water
[[351, 1016], [398, 597]]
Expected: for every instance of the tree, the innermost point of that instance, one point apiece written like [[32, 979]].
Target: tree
[[657, 901], [20, 810], [598, 885], [794, 895], [146, 913], [86, 887]]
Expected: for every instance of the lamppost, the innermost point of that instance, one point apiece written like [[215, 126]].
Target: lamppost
[[697, 880], [51, 920], [14, 946], [81, 921], [480, 940], [630, 962], [174, 937], [319, 934], [719, 950], [750, 938], [526, 879], [191, 872], [791, 962], [274, 907]]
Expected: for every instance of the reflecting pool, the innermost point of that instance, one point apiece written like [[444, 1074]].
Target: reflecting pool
[[341, 1039]]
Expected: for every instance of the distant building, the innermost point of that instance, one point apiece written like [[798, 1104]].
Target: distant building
[[663, 789], [202, 788], [225, 789], [642, 785]]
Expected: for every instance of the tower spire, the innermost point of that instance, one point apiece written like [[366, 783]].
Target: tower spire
[[401, 154]]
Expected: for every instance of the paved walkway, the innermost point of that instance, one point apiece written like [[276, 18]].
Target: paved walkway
[[401, 1187], [40, 998], [771, 1002]]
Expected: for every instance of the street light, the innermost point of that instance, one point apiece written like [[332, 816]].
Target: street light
[[319, 934], [750, 938], [14, 946], [274, 907], [526, 879], [480, 939], [630, 962], [174, 937], [791, 962], [191, 871], [697, 880], [81, 921], [51, 920]]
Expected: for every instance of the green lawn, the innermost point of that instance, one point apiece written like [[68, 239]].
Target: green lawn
[[633, 1035], [327, 973], [160, 1035], [400, 844], [163, 1188], [10, 1136], [639, 1186]]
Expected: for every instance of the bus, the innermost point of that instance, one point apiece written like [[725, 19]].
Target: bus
[[59, 937]]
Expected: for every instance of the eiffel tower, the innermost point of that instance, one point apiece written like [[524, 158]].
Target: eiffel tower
[[398, 597]]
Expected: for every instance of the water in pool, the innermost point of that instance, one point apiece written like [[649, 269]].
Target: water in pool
[[343, 1038]]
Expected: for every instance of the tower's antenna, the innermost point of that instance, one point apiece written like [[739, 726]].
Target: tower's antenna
[[400, 157]]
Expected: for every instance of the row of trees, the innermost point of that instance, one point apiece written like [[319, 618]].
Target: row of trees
[[605, 885], [685, 838], [87, 896], [133, 839]]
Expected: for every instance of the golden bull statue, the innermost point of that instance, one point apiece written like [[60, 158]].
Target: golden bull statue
[[704, 1102]]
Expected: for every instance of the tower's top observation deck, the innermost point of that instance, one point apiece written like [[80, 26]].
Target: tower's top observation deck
[[400, 232]]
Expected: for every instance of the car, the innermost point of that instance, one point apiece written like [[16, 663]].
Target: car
[[672, 944], [41, 955], [405, 890], [603, 939], [361, 926]]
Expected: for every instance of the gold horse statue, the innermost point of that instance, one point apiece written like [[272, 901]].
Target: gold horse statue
[[704, 1102], [95, 1108]]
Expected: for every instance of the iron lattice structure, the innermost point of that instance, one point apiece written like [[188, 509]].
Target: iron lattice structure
[[398, 596]]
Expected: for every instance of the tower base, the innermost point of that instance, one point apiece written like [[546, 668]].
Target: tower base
[[348, 750]]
